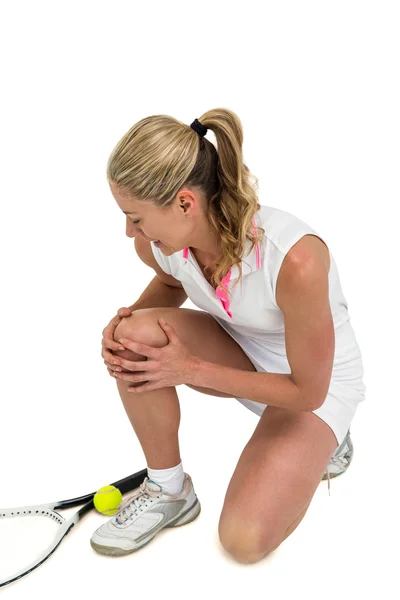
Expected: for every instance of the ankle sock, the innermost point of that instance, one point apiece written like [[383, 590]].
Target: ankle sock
[[171, 480]]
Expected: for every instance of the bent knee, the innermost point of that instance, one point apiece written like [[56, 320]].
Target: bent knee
[[244, 542], [244, 550], [142, 328]]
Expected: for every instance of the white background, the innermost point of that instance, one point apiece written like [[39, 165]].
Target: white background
[[316, 87]]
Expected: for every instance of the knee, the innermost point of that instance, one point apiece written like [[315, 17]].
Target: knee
[[243, 545], [244, 552], [140, 327], [126, 326]]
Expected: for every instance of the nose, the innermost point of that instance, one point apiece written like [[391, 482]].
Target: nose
[[131, 229]]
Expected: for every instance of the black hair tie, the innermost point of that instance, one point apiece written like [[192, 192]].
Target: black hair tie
[[199, 128]]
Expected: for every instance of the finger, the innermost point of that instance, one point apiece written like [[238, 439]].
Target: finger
[[112, 366], [133, 377], [111, 358], [108, 344], [146, 387], [120, 369], [108, 334], [141, 348], [107, 352], [169, 331], [142, 365], [124, 312], [112, 324], [114, 374]]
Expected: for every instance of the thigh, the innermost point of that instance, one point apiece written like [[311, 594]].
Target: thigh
[[200, 333], [277, 474]]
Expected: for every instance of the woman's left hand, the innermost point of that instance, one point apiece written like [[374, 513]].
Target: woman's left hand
[[168, 366]]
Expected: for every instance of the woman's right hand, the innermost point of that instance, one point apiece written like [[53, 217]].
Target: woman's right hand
[[108, 343]]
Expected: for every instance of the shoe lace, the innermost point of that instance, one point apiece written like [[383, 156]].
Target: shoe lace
[[340, 458], [135, 502]]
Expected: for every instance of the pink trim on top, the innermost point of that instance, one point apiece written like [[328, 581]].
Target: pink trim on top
[[220, 293]]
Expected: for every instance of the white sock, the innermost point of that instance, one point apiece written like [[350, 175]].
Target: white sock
[[171, 480]]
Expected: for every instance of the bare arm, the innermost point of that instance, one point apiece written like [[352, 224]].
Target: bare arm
[[159, 293], [163, 290]]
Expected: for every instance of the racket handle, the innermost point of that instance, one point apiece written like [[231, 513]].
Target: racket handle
[[131, 482], [124, 485]]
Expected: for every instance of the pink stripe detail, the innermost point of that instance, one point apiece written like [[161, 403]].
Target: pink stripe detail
[[258, 255], [223, 295], [220, 293]]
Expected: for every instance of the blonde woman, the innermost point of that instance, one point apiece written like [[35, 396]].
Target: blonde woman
[[272, 332]]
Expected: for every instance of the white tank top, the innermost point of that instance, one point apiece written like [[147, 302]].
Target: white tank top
[[255, 321], [252, 309]]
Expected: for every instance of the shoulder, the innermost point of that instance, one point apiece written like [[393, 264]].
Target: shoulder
[[307, 261]]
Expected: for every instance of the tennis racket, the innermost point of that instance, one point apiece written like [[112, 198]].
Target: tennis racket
[[48, 510]]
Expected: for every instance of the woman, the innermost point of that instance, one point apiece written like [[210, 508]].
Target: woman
[[281, 343]]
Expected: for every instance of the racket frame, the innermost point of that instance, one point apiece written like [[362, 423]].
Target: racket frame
[[124, 485]]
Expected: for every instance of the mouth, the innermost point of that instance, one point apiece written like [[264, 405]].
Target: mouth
[[149, 240]]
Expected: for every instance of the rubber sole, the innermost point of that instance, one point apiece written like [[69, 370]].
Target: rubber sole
[[332, 476], [184, 519], [325, 476]]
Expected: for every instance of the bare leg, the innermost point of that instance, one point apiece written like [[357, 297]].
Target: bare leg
[[155, 416]]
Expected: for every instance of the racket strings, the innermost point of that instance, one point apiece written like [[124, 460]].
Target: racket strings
[[26, 537]]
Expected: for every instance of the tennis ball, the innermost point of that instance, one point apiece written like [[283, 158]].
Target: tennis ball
[[107, 499]]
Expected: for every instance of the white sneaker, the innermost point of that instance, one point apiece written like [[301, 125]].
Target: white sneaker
[[143, 515], [340, 459]]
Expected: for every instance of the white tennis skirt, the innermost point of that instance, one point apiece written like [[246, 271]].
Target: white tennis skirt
[[346, 389]]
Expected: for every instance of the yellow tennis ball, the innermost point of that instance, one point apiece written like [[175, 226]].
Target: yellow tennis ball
[[107, 499]]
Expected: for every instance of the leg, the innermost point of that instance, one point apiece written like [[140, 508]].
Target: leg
[[290, 529], [275, 479], [155, 415]]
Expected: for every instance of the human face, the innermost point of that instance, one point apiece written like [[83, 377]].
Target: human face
[[181, 225], [149, 221]]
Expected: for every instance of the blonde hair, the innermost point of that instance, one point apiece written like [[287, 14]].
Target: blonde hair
[[160, 155]]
